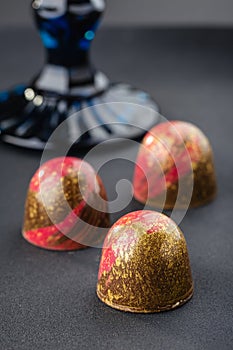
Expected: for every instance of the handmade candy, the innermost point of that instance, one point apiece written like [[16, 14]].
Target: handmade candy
[[65, 206], [175, 167], [145, 264]]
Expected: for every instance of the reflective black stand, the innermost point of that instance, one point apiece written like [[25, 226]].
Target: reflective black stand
[[68, 83]]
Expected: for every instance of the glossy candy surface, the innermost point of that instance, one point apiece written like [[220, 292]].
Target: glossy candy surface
[[64, 206], [175, 156], [145, 264]]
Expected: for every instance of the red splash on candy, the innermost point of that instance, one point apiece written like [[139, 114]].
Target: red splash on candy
[[66, 204]]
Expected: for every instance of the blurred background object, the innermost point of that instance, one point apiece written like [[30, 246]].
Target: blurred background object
[[68, 83], [136, 12]]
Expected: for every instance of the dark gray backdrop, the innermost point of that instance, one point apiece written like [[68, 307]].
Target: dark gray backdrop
[[143, 12], [48, 300]]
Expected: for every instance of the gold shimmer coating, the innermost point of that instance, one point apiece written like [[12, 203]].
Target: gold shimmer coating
[[145, 265], [66, 206], [185, 176]]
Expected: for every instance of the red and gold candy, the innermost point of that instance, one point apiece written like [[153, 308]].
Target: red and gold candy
[[145, 264], [175, 167], [65, 206]]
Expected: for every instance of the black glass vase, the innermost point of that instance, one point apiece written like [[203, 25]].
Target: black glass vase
[[68, 83]]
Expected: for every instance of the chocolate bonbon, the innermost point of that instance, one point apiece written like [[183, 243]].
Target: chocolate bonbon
[[65, 206], [145, 264], [175, 156]]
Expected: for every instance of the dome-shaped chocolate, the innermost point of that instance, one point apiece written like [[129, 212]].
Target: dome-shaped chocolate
[[175, 167], [145, 264], [65, 206]]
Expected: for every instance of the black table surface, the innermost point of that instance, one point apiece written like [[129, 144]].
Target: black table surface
[[48, 300]]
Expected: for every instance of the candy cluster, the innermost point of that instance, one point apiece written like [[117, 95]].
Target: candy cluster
[[145, 264]]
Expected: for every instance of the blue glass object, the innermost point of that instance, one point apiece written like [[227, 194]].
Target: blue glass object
[[69, 83]]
